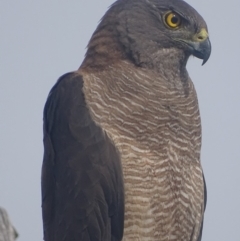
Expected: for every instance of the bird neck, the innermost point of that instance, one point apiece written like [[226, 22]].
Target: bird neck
[[168, 63], [104, 49], [107, 48]]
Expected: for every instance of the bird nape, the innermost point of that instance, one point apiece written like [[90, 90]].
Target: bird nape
[[122, 134]]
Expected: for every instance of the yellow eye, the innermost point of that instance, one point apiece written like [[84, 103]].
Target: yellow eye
[[173, 20]]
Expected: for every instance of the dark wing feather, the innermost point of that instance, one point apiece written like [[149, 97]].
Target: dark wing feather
[[205, 204], [82, 184]]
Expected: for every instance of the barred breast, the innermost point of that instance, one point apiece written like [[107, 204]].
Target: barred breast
[[156, 127]]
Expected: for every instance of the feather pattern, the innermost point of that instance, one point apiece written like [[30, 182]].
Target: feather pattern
[[122, 134], [157, 130], [81, 171]]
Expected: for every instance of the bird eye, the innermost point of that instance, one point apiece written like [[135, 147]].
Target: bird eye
[[173, 20]]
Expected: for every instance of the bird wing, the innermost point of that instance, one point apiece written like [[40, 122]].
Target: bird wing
[[82, 183]]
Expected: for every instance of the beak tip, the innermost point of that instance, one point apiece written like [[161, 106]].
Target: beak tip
[[203, 51], [204, 61]]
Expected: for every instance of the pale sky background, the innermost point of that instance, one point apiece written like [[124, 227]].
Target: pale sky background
[[41, 40]]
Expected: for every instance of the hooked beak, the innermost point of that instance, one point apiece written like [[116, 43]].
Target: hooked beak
[[201, 50], [200, 45]]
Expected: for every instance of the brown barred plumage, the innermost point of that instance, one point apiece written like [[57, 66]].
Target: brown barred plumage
[[123, 133], [158, 133]]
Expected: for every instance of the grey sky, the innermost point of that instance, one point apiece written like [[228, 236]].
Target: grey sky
[[41, 40]]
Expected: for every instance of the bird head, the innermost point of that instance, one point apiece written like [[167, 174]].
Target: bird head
[[152, 31], [184, 27]]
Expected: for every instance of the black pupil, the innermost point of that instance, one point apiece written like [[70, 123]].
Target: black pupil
[[174, 19]]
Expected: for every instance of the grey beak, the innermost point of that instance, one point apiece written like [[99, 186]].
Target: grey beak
[[202, 50]]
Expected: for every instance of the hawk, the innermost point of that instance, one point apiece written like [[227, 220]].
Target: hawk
[[122, 134]]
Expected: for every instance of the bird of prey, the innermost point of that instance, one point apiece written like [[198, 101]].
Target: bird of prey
[[122, 134]]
